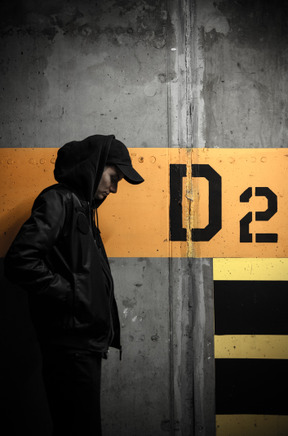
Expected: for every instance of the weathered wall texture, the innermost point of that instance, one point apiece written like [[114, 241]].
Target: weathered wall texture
[[72, 68], [156, 73], [245, 79], [136, 398]]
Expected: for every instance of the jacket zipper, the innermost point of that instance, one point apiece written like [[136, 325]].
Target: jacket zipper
[[95, 231]]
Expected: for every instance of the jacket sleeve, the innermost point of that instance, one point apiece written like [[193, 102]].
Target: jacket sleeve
[[25, 262]]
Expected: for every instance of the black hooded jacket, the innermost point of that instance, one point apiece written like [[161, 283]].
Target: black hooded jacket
[[59, 258]]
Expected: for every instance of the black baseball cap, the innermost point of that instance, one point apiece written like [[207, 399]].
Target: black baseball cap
[[119, 156]]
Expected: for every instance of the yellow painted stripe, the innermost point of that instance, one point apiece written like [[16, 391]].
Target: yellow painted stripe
[[250, 269], [251, 347], [251, 425], [135, 222]]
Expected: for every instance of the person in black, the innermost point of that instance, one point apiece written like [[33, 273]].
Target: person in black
[[58, 257]]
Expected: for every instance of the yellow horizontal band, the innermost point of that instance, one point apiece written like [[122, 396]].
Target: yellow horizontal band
[[250, 269], [251, 346], [251, 425], [225, 202]]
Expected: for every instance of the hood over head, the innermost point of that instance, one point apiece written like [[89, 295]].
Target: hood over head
[[80, 164]]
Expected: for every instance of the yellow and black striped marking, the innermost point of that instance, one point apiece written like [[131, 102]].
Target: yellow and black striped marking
[[251, 346]]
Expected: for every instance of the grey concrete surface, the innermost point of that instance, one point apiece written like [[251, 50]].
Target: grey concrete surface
[[156, 73]]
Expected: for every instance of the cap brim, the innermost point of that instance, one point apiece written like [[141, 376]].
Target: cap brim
[[130, 175]]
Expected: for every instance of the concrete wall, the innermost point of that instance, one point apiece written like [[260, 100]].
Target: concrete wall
[[69, 70], [245, 60], [156, 74], [72, 68]]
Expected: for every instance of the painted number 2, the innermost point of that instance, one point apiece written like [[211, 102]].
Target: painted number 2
[[245, 235]]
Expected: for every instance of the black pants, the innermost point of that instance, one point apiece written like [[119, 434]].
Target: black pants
[[72, 382]]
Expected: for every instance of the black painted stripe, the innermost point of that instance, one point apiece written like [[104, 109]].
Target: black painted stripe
[[251, 386], [251, 307]]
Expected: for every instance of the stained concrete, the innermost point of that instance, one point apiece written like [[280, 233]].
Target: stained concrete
[[245, 79], [70, 69], [180, 73], [136, 391]]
